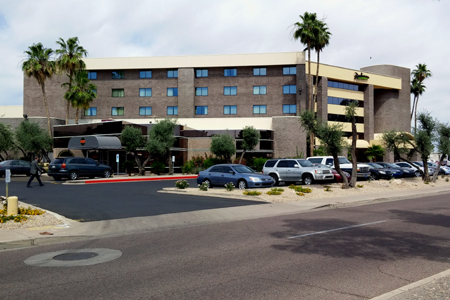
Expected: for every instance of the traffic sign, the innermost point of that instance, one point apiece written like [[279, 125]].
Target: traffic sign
[[7, 175]]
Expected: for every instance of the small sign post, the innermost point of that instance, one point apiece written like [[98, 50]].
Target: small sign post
[[117, 161], [7, 180]]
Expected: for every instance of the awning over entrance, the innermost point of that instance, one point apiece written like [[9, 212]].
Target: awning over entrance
[[94, 142]]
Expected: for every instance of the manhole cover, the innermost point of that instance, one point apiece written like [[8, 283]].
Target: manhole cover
[[75, 256]]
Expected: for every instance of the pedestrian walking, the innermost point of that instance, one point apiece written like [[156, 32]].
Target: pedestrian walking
[[35, 171]]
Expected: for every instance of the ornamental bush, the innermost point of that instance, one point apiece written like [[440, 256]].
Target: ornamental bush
[[181, 184]]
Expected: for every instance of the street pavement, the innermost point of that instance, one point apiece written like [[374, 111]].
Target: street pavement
[[434, 287]]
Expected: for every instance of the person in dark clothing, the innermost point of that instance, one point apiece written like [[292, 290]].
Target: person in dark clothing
[[35, 171]]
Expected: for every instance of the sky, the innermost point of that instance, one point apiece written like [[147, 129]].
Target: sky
[[364, 33]]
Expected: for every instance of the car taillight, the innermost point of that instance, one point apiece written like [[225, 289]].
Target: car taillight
[[63, 166]]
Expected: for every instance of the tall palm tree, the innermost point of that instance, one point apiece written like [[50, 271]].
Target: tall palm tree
[[40, 66], [321, 40], [420, 73], [69, 60], [81, 92], [417, 88]]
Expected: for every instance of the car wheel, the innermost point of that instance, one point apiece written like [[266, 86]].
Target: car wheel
[[307, 179], [417, 173], [107, 173], [58, 178], [208, 183], [372, 177], [275, 179], [242, 184], [73, 175]]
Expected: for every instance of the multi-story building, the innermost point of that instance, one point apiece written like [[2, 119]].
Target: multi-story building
[[224, 93]]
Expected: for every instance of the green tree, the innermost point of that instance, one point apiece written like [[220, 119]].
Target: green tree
[[321, 40], [443, 145], [374, 151], [33, 139], [40, 66], [350, 114], [6, 139], [420, 73], [133, 141], [223, 146], [69, 60], [330, 137], [161, 140], [81, 93], [251, 138]]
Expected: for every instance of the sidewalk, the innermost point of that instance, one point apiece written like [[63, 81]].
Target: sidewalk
[[437, 285]]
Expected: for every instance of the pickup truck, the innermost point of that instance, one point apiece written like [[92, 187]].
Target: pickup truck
[[363, 170]]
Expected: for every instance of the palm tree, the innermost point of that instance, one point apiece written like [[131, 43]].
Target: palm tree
[[81, 93], [321, 40], [39, 66], [69, 60], [417, 88], [420, 73]]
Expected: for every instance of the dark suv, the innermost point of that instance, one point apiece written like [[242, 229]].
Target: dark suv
[[74, 167]]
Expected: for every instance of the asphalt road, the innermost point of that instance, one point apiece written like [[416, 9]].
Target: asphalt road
[[108, 201], [349, 253]]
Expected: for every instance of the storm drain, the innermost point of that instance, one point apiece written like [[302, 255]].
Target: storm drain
[[73, 258]]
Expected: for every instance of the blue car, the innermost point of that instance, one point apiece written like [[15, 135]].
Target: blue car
[[397, 171], [241, 176]]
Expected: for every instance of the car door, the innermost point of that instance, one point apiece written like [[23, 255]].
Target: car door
[[228, 175], [15, 166], [215, 175], [93, 168], [281, 169], [25, 167], [293, 171]]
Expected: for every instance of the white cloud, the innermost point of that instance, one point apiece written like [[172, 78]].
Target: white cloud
[[402, 32]]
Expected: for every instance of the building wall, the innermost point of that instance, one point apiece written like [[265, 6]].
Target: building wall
[[289, 137]]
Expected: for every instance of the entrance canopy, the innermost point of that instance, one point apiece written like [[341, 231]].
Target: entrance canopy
[[94, 142]]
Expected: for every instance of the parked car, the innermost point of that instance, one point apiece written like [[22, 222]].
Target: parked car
[[442, 170], [408, 166], [431, 170], [338, 177], [362, 169], [404, 172], [379, 172], [75, 167], [16, 166], [241, 176], [293, 170]]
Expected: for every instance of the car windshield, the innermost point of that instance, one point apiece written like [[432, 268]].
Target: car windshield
[[305, 163], [343, 160], [3, 163], [393, 166], [418, 163], [376, 166], [243, 169]]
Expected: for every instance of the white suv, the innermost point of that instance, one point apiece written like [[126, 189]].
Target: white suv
[[363, 170]]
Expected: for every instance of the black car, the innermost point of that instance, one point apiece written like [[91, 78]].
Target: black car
[[16, 166], [74, 167], [378, 172], [405, 172]]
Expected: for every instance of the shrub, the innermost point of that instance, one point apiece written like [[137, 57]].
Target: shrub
[[252, 193], [300, 194], [299, 188], [360, 185], [229, 186], [275, 191], [158, 167], [203, 186], [258, 163], [188, 167], [21, 216], [181, 184], [327, 188], [243, 162], [211, 161]]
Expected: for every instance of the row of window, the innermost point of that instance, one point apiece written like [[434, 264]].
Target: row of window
[[342, 118], [343, 101], [228, 72], [199, 110], [203, 91], [342, 85]]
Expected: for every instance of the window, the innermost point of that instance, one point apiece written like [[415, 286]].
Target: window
[[172, 73], [145, 111], [259, 109], [230, 91], [117, 111], [145, 92], [341, 85], [289, 109], [92, 75], [118, 93], [91, 111], [172, 92], [172, 110], [201, 73], [201, 91], [259, 90], [342, 101], [289, 70], [201, 110], [343, 118], [230, 72], [118, 74], [259, 71], [289, 89], [145, 74], [229, 109]]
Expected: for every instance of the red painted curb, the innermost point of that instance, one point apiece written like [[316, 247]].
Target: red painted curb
[[141, 179]]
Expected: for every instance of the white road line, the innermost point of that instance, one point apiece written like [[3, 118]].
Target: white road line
[[336, 229]]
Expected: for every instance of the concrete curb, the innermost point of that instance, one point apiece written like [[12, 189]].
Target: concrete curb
[[130, 179]]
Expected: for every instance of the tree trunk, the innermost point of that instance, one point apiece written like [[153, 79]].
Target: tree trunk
[[415, 116], [242, 156], [338, 169], [310, 97], [426, 174], [46, 110], [311, 143], [412, 111], [170, 163], [436, 173], [76, 115], [353, 154], [68, 102], [317, 79], [1, 157]]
